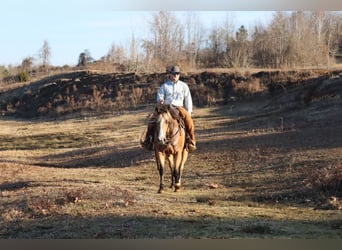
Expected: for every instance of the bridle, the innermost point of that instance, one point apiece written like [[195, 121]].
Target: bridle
[[170, 137]]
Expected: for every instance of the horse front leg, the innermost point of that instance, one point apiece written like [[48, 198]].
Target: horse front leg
[[183, 156], [160, 158], [178, 171], [172, 169]]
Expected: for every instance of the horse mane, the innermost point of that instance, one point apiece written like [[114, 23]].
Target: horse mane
[[163, 108]]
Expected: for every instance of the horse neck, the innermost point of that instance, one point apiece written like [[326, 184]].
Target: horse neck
[[174, 128], [173, 125]]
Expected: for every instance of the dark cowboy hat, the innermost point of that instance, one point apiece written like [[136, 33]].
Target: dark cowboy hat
[[174, 69]]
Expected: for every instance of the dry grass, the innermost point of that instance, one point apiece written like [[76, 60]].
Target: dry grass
[[87, 177]]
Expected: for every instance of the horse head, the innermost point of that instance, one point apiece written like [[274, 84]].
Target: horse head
[[167, 127]]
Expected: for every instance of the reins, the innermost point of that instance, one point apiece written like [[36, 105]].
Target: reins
[[177, 132]]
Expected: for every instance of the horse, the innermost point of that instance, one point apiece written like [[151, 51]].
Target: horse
[[170, 144]]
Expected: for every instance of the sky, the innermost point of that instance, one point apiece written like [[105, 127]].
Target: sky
[[71, 26]]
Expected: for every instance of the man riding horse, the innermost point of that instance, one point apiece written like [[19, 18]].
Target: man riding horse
[[177, 93]]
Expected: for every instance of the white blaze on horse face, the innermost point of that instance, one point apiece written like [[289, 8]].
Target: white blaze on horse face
[[161, 134]]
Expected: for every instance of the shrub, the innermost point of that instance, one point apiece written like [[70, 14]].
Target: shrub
[[247, 87], [24, 76], [327, 179]]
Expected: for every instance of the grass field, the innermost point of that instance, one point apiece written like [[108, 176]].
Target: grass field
[[255, 175]]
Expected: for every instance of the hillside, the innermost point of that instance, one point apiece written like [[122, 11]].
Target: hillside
[[89, 91]]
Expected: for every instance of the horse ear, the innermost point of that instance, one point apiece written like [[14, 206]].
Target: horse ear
[[157, 108]]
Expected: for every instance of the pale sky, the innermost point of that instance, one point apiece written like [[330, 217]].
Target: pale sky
[[71, 26]]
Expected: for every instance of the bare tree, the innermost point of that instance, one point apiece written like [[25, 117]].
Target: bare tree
[[332, 35], [167, 37], [292, 39], [311, 37], [228, 31], [219, 48], [261, 54], [240, 48], [320, 50], [116, 54], [134, 57], [279, 41], [297, 39], [45, 53], [194, 35], [148, 48], [216, 46]]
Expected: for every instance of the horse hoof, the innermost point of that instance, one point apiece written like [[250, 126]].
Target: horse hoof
[[160, 191], [177, 187]]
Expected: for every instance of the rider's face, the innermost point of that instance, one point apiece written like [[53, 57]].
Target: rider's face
[[174, 76]]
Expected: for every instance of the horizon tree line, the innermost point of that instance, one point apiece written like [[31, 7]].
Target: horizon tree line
[[290, 39]]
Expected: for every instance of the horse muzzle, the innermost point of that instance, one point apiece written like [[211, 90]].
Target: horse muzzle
[[162, 141]]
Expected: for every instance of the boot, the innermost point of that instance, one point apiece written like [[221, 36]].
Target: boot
[[148, 143], [191, 144]]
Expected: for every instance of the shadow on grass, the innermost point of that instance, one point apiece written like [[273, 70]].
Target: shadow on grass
[[110, 157], [320, 138], [113, 156], [157, 227]]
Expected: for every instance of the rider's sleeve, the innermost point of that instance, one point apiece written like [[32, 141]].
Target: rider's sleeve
[[160, 94], [187, 99]]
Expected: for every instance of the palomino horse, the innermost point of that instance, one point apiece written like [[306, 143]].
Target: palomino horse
[[169, 144]]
